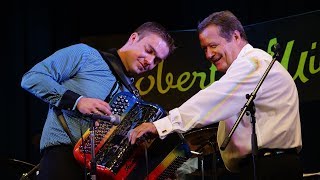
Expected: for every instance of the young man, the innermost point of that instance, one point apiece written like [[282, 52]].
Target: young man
[[77, 80], [224, 42]]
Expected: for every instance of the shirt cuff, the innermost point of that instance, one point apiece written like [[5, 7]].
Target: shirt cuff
[[68, 100], [76, 103], [163, 126]]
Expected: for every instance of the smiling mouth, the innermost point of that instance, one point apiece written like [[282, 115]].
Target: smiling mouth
[[141, 67], [216, 59]]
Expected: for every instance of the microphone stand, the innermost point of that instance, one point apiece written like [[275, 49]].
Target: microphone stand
[[249, 109], [25, 176], [93, 164]]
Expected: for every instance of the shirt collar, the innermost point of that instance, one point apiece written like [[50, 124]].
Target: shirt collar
[[244, 50]]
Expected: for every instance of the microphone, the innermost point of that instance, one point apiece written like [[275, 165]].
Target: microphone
[[114, 119]]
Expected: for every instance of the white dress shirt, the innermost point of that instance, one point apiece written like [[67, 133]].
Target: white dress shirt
[[276, 103]]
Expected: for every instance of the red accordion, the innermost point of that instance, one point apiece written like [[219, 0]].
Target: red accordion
[[116, 158]]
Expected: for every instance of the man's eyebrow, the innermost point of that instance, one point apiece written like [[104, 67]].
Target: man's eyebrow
[[154, 50]]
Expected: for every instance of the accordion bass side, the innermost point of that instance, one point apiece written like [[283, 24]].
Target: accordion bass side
[[116, 158]]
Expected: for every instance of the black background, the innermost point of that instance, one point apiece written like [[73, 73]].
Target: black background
[[32, 30]]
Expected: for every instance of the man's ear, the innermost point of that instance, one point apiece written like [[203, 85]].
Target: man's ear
[[134, 37], [236, 35]]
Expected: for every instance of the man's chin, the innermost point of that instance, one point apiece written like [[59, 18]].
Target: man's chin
[[138, 71], [220, 68]]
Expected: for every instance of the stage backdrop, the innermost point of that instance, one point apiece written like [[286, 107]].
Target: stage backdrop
[[186, 71]]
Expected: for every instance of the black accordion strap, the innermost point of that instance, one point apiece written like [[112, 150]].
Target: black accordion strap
[[64, 125], [116, 67], [112, 92]]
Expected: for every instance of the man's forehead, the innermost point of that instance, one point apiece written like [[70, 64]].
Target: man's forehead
[[161, 49]]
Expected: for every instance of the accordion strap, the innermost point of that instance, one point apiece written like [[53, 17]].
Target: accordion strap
[[63, 123], [116, 67]]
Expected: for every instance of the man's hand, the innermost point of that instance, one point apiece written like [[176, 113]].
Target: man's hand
[[141, 130], [93, 106]]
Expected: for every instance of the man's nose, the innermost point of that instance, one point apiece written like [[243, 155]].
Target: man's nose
[[148, 60], [210, 54]]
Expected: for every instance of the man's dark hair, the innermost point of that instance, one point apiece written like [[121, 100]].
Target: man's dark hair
[[227, 23], [158, 29]]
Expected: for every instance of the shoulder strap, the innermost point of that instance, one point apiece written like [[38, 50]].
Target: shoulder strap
[[116, 67], [63, 123]]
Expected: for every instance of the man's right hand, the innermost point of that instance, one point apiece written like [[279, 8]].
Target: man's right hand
[[140, 130], [93, 106]]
